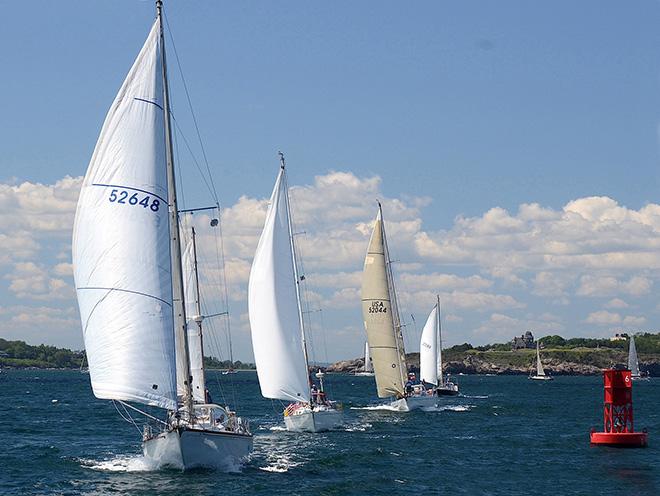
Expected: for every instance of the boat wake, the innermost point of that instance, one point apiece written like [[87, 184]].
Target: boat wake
[[448, 408], [388, 408], [477, 397], [121, 463]]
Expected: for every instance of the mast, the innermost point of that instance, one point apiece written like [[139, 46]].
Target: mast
[[295, 265], [178, 307], [198, 308], [440, 379], [395, 304]]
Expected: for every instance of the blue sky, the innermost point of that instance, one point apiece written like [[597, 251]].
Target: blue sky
[[457, 108]]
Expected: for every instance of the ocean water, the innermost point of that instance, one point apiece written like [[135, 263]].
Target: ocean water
[[503, 436]]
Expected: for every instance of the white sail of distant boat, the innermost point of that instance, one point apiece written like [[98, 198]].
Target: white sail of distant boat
[[383, 326], [129, 278], [430, 355], [633, 362], [277, 325], [540, 373], [367, 369]]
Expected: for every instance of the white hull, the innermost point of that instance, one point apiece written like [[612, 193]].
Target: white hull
[[320, 421], [540, 377], [414, 403], [188, 448], [364, 374], [640, 378]]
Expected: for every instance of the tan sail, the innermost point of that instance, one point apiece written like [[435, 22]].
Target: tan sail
[[380, 317]]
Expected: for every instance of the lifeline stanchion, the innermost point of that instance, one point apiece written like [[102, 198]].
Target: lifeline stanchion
[[618, 413]]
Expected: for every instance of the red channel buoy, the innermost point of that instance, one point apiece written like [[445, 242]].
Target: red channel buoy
[[618, 413]]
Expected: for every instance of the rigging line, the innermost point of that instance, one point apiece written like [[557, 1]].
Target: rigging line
[[126, 416], [220, 258], [192, 155], [194, 118], [127, 405]]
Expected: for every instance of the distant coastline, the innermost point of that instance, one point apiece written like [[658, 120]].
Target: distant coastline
[[20, 355], [577, 356]]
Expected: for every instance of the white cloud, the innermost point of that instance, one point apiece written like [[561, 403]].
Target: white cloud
[[598, 286], [616, 303], [603, 317]]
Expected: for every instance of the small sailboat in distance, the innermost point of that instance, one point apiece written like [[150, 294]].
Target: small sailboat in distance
[[367, 369], [633, 362], [277, 324], [383, 326], [430, 356], [129, 278], [540, 373]]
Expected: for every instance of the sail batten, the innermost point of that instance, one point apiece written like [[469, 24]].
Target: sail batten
[[121, 247], [273, 307], [380, 321]]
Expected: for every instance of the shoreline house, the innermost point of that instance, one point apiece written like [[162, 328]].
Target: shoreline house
[[524, 341]]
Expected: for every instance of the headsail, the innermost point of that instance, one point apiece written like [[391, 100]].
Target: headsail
[[273, 307], [367, 359], [121, 245], [633, 363], [428, 349], [193, 314], [385, 343]]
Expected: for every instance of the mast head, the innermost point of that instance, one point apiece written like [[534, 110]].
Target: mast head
[[159, 7], [282, 163]]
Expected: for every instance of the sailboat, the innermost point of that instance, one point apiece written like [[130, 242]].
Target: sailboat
[[277, 324], [383, 326], [633, 363], [430, 356], [540, 373], [129, 279], [367, 370]]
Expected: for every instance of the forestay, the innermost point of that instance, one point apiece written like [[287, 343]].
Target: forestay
[[121, 245], [387, 353], [273, 307], [428, 349]]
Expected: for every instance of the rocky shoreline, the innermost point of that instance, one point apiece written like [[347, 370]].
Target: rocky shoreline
[[474, 363]]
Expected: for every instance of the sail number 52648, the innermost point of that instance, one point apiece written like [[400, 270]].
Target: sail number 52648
[[125, 197]]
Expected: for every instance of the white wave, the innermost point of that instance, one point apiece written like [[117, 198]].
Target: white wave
[[388, 408], [448, 408], [479, 397], [280, 464], [277, 428], [121, 463], [358, 427]]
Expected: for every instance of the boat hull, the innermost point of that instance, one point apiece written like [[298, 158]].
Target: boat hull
[[192, 448], [324, 420], [540, 377], [364, 374], [446, 392], [414, 403]]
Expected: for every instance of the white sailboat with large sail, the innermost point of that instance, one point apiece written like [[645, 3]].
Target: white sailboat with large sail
[[430, 356], [277, 324], [633, 362], [540, 373], [140, 342], [367, 369], [383, 326]]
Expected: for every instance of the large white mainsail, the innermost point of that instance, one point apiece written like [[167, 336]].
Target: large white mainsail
[[273, 308], [633, 363], [378, 309], [121, 245], [428, 349]]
